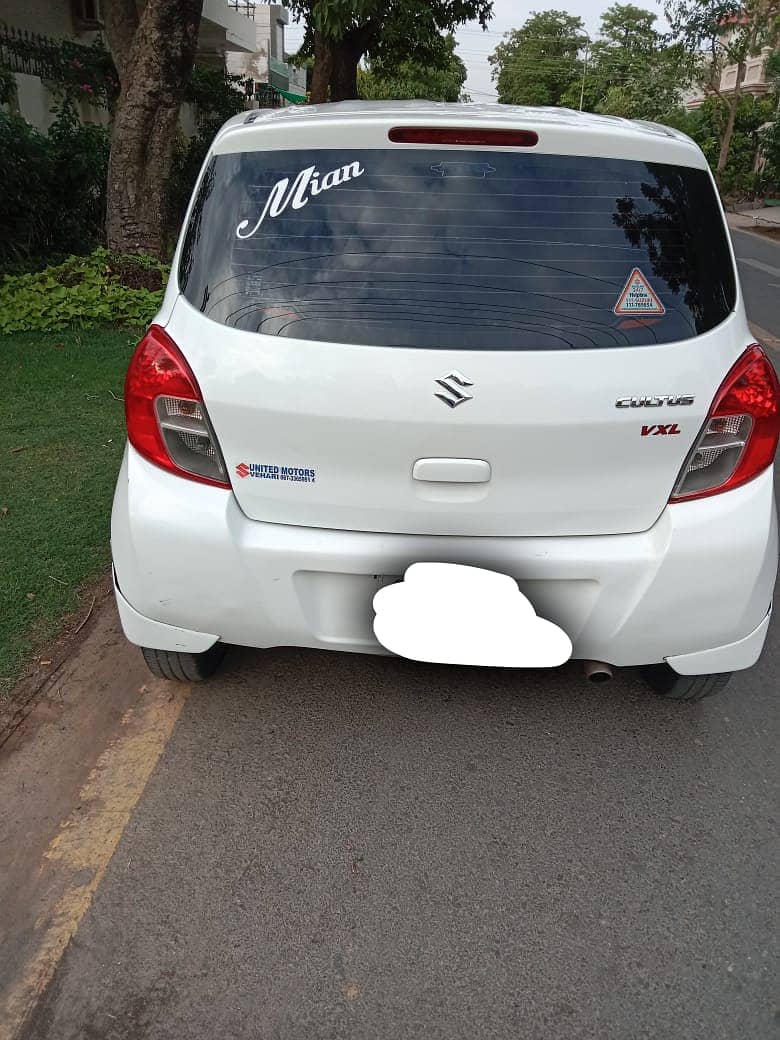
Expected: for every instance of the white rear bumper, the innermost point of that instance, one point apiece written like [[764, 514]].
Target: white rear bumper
[[694, 589]]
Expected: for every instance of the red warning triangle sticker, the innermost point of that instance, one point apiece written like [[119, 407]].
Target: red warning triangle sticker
[[637, 297]]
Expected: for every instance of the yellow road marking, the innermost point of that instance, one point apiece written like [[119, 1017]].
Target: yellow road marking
[[76, 859]]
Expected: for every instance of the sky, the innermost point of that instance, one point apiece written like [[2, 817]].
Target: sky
[[474, 45]]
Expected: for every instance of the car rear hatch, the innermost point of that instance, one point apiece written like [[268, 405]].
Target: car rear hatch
[[449, 339]]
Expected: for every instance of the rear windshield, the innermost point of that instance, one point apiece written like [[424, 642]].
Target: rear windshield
[[469, 250]]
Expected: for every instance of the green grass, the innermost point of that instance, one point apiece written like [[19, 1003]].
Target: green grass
[[61, 441]]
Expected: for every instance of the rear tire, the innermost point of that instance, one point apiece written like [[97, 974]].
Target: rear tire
[[171, 664], [667, 683]]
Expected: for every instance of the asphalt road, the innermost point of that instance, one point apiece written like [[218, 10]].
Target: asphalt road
[[758, 259], [335, 846]]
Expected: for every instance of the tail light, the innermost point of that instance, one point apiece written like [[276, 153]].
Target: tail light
[[167, 421], [739, 438]]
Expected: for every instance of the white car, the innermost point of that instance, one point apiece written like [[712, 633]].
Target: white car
[[512, 338]]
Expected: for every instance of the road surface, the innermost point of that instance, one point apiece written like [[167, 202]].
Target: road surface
[[318, 846], [758, 259]]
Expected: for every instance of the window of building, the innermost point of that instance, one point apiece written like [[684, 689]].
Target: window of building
[[87, 14]]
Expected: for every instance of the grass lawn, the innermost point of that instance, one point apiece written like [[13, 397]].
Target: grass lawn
[[61, 441]]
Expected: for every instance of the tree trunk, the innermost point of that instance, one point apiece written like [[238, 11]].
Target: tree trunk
[[153, 75], [343, 80], [336, 63], [728, 133], [347, 53], [323, 65]]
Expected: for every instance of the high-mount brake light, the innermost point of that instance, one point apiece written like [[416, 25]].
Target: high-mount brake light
[[166, 418], [739, 438], [473, 136]]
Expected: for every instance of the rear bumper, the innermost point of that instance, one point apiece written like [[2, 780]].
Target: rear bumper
[[694, 589]]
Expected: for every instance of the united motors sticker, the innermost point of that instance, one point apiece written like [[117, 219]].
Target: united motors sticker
[[637, 297], [267, 471]]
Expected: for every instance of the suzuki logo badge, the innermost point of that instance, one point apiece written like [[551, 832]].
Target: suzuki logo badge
[[453, 397]]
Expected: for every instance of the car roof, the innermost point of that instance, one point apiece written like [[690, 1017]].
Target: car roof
[[595, 131]]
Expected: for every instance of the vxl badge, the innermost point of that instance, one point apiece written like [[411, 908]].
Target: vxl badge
[[451, 384]]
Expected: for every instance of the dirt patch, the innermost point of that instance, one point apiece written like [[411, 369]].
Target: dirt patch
[[129, 272], [42, 673], [767, 232], [772, 233], [135, 275], [46, 766]]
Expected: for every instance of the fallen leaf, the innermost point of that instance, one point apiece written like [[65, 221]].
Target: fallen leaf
[[31, 595], [45, 662], [4, 511]]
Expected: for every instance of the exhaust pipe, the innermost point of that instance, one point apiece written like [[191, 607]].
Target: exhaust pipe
[[597, 671]]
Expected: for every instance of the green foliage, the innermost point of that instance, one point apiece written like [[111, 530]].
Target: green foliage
[[61, 440], [53, 187], [632, 70], [728, 30], [410, 79], [739, 178], [770, 149], [720, 33], [391, 31], [7, 85], [73, 70], [88, 74], [769, 135], [536, 64], [217, 96], [629, 28], [84, 291], [650, 86]]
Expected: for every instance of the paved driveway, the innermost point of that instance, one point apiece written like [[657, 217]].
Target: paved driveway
[[336, 846]]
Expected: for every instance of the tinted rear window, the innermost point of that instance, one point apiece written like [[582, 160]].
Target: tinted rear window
[[457, 249]]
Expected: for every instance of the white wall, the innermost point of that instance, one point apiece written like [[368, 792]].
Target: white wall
[[35, 101], [47, 17], [269, 35], [254, 65]]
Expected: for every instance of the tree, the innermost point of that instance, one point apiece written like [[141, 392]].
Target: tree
[[770, 133], [722, 33], [535, 64], [339, 33], [632, 71], [154, 51], [740, 174], [629, 28], [652, 90], [413, 79]]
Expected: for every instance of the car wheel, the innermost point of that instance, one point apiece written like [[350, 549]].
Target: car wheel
[[171, 664], [667, 683]]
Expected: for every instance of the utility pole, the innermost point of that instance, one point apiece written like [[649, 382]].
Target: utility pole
[[584, 70]]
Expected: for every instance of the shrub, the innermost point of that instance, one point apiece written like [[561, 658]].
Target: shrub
[[100, 289], [52, 201], [217, 96], [739, 178], [7, 85]]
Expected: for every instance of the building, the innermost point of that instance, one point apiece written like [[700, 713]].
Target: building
[[275, 81], [47, 42], [754, 81]]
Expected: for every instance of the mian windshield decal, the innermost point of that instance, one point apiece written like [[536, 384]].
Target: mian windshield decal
[[306, 185], [488, 251]]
